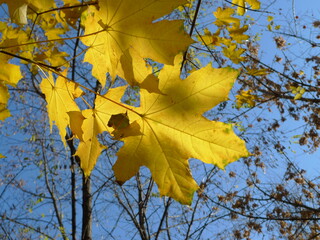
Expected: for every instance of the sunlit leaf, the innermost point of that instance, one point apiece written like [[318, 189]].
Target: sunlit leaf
[[60, 97], [174, 130], [120, 25], [242, 5]]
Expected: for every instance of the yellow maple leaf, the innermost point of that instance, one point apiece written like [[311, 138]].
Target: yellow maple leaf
[[56, 57], [4, 97], [258, 72], [10, 74], [298, 91], [60, 97], [71, 15], [18, 8], [233, 53], [209, 38], [76, 120], [120, 25], [255, 4], [90, 148], [246, 99], [236, 32], [4, 93], [4, 112], [223, 17], [87, 124], [174, 130]]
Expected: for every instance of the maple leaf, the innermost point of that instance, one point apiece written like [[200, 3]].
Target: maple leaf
[[18, 8], [87, 124], [209, 38], [60, 97], [4, 97], [174, 130], [255, 4], [71, 15], [257, 72], [246, 99], [233, 53], [9, 75], [89, 148], [120, 25], [223, 17], [237, 33]]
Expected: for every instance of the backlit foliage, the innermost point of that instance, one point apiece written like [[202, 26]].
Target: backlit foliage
[[118, 37]]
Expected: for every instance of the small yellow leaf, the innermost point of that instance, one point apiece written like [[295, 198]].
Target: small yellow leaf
[[298, 91], [209, 39], [246, 99], [4, 112], [18, 8], [89, 123], [56, 57], [89, 148], [88, 152], [233, 53], [277, 27], [76, 120], [257, 72], [224, 18], [270, 18], [237, 33], [4, 93], [71, 15], [60, 101], [20, 14], [241, 4], [10, 73]]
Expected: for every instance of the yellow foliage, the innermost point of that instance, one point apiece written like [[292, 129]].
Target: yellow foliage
[[18, 8], [9, 75], [86, 126], [255, 4], [270, 18], [298, 91], [60, 97], [237, 33], [209, 39], [223, 16], [246, 99], [120, 25], [4, 97], [174, 130], [168, 128], [89, 149], [257, 72], [233, 53]]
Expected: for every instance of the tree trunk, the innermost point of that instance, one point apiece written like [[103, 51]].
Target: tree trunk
[[86, 209]]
